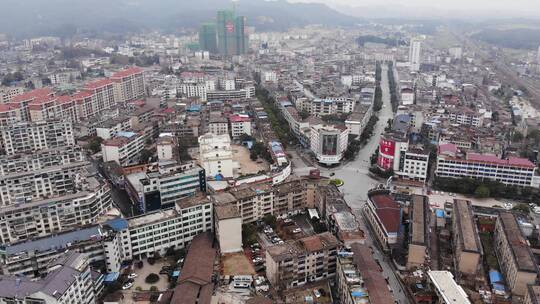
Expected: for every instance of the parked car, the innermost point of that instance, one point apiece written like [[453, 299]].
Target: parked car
[[127, 286], [132, 275], [257, 259], [317, 293], [297, 230]]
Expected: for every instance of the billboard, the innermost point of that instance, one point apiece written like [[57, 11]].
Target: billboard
[[387, 147]]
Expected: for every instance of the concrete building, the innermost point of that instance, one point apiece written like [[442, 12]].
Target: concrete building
[[217, 124], [26, 137], [446, 288], [419, 216], [31, 258], [533, 295], [329, 143], [239, 94], [124, 148], [170, 228], [67, 281], [516, 260], [96, 97], [215, 155], [328, 106], [191, 90], [414, 165], [164, 183], [407, 96], [359, 279], [512, 171], [129, 85], [228, 228], [90, 200], [7, 93], [296, 263], [415, 54], [467, 246], [358, 120], [240, 124], [28, 162], [109, 128], [384, 217]]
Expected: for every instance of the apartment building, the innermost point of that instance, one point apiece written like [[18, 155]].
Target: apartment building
[[31, 258], [29, 162], [164, 229], [384, 216], [9, 114], [191, 90], [446, 288], [217, 124], [296, 263], [465, 116], [21, 101], [108, 129], [124, 148], [68, 281], [516, 260], [24, 137], [467, 247], [96, 96], [216, 156], [329, 142], [359, 279], [358, 120], [58, 107], [240, 124], [414, 165], [253, 202], [533, 295], [164, 183], [327, 106], [239, 94], [90, 200], [26, 186], [512, 171], [406, 161], [419, 216], [128, 84], [228, 228], [8, 93]]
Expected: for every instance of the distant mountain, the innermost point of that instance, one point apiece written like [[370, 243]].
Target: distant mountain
[[518, 38], [42, 17]]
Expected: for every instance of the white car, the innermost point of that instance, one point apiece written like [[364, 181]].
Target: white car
[[317, 293], [508, 206], [132, 276], [297, 230], [257, 259], [127, 286]]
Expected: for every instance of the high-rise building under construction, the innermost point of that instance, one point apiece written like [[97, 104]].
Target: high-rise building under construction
[[232, 38], [208, 37]]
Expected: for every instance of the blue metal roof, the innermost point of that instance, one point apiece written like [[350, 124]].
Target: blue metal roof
[[117, 224], [111, 277], [495, 277], [439, 213]]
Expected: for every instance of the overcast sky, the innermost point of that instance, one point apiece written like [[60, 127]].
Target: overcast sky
[[529, 8]]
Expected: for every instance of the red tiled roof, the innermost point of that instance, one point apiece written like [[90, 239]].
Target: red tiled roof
[[96, 84], [448, 148], [127, 72], [490, 158], [81, 95], [388, 211], [238, 118], [8, 107], [37, 93], [64, 99]]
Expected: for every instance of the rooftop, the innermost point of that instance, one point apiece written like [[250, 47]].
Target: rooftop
[[388, 211], [224, 212], [447, 287], [468, 235], [521, 251], [419, 225]]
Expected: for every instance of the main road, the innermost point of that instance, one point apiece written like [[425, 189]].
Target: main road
[[358, 181]]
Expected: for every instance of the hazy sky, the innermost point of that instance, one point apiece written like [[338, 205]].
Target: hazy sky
[[527, 7]]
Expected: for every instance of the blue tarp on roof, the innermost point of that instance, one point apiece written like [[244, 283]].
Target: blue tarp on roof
[[498, 287], [111, 277], [358, 294], [194, 108], [117, 224], [439, 213], [176, 273], [495, 277]]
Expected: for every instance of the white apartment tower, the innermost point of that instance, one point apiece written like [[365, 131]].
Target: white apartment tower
[[414, 54], [216, 155]]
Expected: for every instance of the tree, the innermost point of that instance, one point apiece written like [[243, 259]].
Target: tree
[[482, 191], [151, 278], [523, 208], [249, 234], [270, 220], [517, 136], [146, 155], [94, 144]]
